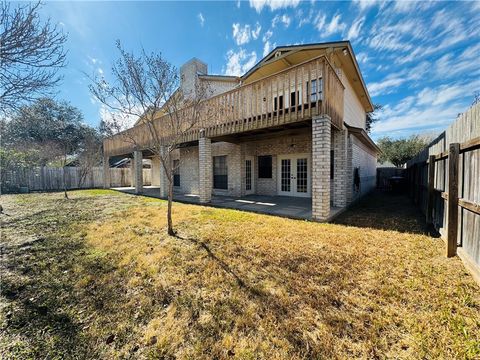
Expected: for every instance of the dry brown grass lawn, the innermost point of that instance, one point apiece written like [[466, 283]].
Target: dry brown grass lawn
[[230, 285]]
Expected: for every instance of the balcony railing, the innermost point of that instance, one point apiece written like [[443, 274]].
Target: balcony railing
[[295, 94]]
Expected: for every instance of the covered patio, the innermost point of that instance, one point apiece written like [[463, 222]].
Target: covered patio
[[286, 206]]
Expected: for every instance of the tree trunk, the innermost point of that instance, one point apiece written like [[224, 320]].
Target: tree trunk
[[64, 183], [169, 207]]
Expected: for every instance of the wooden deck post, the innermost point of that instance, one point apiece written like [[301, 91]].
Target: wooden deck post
[[452, 229], [431, 189]]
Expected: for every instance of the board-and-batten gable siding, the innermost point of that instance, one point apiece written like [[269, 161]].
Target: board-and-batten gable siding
[[353, 113]]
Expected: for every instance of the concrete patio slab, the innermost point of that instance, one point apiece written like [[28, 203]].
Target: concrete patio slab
[[291, 207]]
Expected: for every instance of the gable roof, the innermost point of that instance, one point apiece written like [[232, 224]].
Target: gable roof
[[282, 53]]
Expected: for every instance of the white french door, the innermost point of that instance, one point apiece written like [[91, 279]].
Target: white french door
[[294, 175], [249, 178]]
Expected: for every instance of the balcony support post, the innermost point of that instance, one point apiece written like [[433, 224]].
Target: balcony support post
[[205, 168], [321, 139], [138, 171], [339, 147]]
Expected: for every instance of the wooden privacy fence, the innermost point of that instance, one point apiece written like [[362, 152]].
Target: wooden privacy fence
[[51, 179], [444, 180], [385, 173]]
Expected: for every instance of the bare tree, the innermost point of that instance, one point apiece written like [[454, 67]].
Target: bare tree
[[90, 154], [31, 52], [146, 87]]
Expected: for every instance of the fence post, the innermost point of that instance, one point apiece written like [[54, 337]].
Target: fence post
[[452, 229], [431, 189]]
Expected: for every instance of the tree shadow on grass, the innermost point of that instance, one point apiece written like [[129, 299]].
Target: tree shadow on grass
[[45, 312], [386, 211], [326, 304]]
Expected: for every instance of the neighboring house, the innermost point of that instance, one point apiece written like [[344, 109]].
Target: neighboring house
[[293, 125]]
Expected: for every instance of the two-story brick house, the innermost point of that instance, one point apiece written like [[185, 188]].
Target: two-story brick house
[[294, 125]]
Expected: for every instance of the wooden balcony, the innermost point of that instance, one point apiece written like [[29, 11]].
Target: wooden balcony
[[296, 94]]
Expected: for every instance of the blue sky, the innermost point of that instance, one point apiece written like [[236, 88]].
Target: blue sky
[[421, 60]]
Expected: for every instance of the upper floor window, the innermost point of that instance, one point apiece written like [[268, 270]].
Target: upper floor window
[[316, 89]]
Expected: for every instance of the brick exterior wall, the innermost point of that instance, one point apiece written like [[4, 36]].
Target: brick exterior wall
[[189, 175], [298, 143], [205, 169], [321, 138], [138, 171], [339, 182], [349, 170]]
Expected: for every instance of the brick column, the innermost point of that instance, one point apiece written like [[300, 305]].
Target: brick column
[[205, 169], [156, 170], [321, 128], [132, 172], [163, 176], [106, 172], [138, 171], [340, 168], [349, 171]]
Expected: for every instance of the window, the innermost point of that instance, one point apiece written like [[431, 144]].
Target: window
[[313, 96], [176, 172], [278, 101], [265, 167], [293, 98], [316, 90], [220, 172]]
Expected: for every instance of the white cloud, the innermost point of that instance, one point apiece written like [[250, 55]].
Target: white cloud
[[267, 47], [362, 57], [355, 29], [240, 62], [201, 19], [365, 4], [393, 80], [241, 35], [429, 109], [303, 18], [116, 120], [389, 41], [256, 32], [284, 19], [267, 35], [258, 5], [385, 86], [93, 60], [320, 21], [334, 26]]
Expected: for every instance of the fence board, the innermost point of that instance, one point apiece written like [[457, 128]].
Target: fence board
[[51, 179], [466, 132]]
